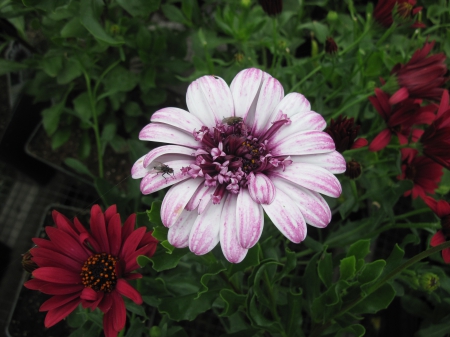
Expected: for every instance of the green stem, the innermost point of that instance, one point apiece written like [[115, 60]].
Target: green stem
[[415, 212], [102, 76], [346, 107], [305, 78], [96, 125], [275, 38], [319, 329], [357, 41], [273, 307]]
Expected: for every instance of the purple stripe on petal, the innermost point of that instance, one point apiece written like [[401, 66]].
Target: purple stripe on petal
[[229, 243], [155, 181], [209, 98], [287, 217], [270, 95], [178, 118], [163, 133], [311, 177], [332, 161], [204, 235], [178, 235], [138, 170], [203, 192], [314, 208], [167, 153], [245, 88], [261, 188], [301, 122], [305, 142], [176, 199], [249, 219]]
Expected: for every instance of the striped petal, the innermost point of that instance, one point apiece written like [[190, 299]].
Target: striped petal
[[311, 177], [332, 161], [178, 118], [178, 235], [176, 199], [167, 153], [163, 133], [261, 188], [305, 142], [229, 243], [204, 235], [249, 219], [209, 99], [286, 216]]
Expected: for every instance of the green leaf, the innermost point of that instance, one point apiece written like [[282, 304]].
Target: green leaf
[[70, 71], [347, 268], [213, 269], [119, 80], [394, 260], [82, 107], [435, 330], [60, 137], [46, 5], [135, 308], [174, 14], [78, 166], [7, 66], [325, 269], [154, 214], [141, 8], [74, 28], [154, 97], [132, 109], [51, 116], [232, 301], [164, 260], [84, 148], [378, 300], [90, 11], [137, 328], [355, 330], [371, 271], [259, 320], [359, 249], [186, 307], [52, 65], [310, 279], [108, 132]]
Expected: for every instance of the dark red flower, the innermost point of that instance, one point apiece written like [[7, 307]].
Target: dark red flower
[[272, 7], [405, 9], [424, 173], [436, 138], [344, 131], [442, 210], [422, 77], [90, 267], [399, 118], [353, 169], [330, 46]]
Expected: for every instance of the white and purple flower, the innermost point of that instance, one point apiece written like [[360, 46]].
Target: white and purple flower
[[240, 151]]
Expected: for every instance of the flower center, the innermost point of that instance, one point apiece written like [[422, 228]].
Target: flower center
[[410, 172], [229, 153], [99, 272]]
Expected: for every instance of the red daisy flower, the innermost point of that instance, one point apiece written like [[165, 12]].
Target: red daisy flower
[[442, 210], [436, 138], [422, 77], [405, 9], [399, 118], [90, 267], [424, 172]]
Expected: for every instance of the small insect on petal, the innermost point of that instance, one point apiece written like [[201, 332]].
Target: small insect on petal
[[164, 169]]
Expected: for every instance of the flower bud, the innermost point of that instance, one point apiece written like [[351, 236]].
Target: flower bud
[[27, 263], [353, 169], [429, 282], [330, 46], [332, 16]]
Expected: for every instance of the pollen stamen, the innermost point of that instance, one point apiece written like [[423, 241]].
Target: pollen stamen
[[98, 272]]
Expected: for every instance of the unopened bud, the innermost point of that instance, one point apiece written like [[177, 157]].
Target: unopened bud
[[27, 263], [353, 170], [330, 46], [429, 282]]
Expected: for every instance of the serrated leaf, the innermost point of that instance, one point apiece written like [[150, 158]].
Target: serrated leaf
[[259, 320], [347, 268], [213, 269], [359, 249], [376, 301], [250, 260], [232, 301], [135, 308], [186, 307], [164, 261], [154, 214], [356, 330], [371, 271]]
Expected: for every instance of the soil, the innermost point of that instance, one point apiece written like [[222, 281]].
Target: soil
[[117, 166]]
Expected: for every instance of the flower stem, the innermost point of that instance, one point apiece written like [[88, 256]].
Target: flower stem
[[321, 328], [305, 78], [415, 212], [95, 126]]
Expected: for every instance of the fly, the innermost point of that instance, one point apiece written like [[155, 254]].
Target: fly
[[232, 120], [164, 169]]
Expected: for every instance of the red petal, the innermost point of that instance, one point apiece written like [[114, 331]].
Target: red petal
[[380, 141], [106, 303], [442, 208], [66, 244], [118, 311], [444, 105], [446, 255], [56, 315], [57, 275], [360, 142], [115, 234], [98, 228], [437, 239], [125, 289], [57, 301], [110, 212], [89, 294], [55, 259], [128, 227], [132, 242], [400, 95]]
